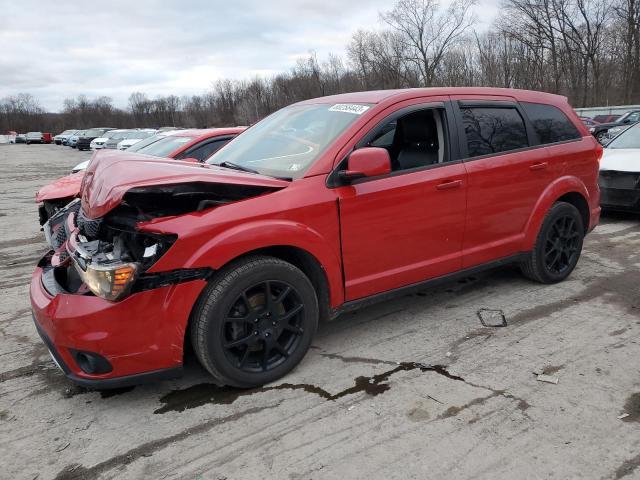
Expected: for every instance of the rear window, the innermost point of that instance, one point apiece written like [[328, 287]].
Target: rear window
[[492, 130], [550, 123]]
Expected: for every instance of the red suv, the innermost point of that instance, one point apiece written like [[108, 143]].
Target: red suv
[[323, 206]]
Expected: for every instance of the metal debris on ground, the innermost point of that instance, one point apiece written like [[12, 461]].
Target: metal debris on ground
[[492, 318], [624, 415], [547, 378]]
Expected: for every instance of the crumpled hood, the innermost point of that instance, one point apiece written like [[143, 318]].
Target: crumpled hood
[[620, 159], [106, 182], [64, 187]]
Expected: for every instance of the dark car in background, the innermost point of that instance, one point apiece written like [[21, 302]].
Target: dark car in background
[[21, 138], [604, 132], [588, 122], [605, 118], [84, 142]]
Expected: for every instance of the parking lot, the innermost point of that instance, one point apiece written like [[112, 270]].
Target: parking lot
[[411, 388]]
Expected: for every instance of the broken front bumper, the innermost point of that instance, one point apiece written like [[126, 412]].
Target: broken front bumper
[[620, 190], [140, 338]]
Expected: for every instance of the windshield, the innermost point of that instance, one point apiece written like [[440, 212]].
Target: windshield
[[164, 146], [147, 141], [108, 134], [94, 132], [630, 138], [630, 117], [119, 136], [287, 143], [143, 134]]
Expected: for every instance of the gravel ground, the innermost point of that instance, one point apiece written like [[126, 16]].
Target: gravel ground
[[361, 404]]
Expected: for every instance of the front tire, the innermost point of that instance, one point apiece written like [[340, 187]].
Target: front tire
[[255, 321], [558, 245]]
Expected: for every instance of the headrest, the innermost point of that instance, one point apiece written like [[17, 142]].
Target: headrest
[[420, 128]]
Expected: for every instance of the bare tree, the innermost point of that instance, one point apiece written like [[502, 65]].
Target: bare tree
[[428, 31]]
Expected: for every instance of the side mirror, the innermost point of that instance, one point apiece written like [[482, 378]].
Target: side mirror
[[366, 162]]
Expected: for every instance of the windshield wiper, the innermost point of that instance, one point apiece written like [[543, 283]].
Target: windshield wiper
[[235, 166]]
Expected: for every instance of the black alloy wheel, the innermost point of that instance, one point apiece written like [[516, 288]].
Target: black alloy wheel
[[558, 245], [255, 321], [263, 327], [562, 244]]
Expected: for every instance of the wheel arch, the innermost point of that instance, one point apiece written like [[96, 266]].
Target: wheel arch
[[298, 257], [568, 189]]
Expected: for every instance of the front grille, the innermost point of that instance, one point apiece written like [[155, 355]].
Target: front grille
[[89, 227], [619, 180]]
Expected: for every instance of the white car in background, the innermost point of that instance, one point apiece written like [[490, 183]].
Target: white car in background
[[139, 145], [62, 137], [134, 138], [98, 143], [620, 172]]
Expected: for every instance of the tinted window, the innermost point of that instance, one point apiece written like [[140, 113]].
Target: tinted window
[[550, 123], [203, 151], [493, 130]]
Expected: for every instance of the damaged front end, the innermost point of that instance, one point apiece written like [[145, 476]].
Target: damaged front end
[[110, 256], [106, 257]]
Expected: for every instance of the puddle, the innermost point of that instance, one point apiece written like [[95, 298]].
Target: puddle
[[209, 393]]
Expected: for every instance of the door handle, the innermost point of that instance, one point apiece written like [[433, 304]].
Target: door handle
[[538, 166], [449, 184]]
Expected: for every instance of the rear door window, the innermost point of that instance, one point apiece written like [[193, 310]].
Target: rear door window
[[491, 130], [550, 123]]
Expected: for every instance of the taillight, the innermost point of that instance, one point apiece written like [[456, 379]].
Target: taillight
[[599, 152]]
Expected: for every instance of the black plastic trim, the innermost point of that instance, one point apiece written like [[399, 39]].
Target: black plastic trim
[[150, 281], [52, 349], [432, 282]]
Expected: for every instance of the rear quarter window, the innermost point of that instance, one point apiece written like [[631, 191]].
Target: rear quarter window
[[491, 130], [550, 123]]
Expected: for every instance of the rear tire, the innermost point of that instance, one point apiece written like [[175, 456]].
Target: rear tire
[[558, 245], [254, 322]]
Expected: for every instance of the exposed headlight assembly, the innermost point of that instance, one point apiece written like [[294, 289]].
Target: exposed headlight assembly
[[109, 278], [110, 282]]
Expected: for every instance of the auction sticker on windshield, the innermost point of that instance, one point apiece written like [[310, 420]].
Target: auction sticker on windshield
[[349, 108]]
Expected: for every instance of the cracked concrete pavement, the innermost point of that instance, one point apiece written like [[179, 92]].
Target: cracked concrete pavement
[[410, 388]]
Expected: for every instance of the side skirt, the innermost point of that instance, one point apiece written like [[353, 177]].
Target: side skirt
[[432, 282]]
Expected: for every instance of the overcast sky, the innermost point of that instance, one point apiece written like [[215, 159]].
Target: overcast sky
[[60, 49]]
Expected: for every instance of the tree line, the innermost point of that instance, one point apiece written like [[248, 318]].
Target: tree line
[[587, 50]]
